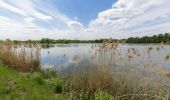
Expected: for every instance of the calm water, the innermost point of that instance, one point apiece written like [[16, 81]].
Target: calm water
[[61, 56]]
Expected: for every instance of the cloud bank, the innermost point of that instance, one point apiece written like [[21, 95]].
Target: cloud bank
[[36, 19]]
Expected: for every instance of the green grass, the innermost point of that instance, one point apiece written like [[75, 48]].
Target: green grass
[[18, 86]]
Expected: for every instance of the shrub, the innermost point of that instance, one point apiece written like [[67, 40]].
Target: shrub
[[103, 96], [49, 73], [37, 77], [84, 95], [57, 85]]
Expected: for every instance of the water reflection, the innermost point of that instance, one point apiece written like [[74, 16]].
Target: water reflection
[[47, 46], [66, 56]]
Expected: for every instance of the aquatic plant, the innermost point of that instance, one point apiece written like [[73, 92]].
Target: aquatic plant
[[22, 57], [123, 76], [109, 73]]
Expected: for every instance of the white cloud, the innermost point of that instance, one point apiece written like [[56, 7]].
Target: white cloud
[[133, 16], [43, 17], [32, 19], [137, 4], [9, 7], [75, 27], [24, 8], [39, 18], [75, 24], [4, 18], [29, 20]]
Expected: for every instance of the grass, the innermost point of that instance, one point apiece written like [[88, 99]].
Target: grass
[[18, 86]]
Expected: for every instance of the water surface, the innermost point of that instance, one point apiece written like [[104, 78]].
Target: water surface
[[65, 56]]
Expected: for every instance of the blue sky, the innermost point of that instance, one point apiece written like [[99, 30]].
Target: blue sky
[[82, 19], [82, 10]]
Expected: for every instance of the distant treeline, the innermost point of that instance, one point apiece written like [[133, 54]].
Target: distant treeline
[[63, 41], [145, 39], [150, 39]]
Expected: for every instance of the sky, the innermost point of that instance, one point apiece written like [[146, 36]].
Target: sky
[[82, 19]]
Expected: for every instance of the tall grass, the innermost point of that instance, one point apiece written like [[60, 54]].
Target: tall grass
[[110, 71], [22, 57]]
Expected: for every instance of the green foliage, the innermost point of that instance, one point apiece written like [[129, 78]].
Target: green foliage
[[37, 77], [49, 73], [46, 41], [150, 39], [168, 42], [84, 95], [19, 86], [145, 39], [57, 85], [103, 96]]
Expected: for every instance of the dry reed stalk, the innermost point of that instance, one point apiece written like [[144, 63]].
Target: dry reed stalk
[[101, 76], [23, 57]]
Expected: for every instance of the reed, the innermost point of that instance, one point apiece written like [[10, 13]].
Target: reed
[[22, 57], [110, 71], [125, 76]]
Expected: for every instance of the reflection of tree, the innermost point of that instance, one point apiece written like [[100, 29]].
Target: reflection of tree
[[47, 46]]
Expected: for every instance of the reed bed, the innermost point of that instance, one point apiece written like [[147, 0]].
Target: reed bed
[[22, 57], [111, 71], [122, 76]]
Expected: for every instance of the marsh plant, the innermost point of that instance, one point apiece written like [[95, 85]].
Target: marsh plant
[[112, 74], [37, 77], [57, 85], [23, 57], [103, 96]]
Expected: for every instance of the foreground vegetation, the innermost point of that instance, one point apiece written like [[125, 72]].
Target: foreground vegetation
[[110, 75], [25, 86], [23, 57]]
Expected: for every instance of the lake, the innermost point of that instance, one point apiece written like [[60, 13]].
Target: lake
[[66, 56]]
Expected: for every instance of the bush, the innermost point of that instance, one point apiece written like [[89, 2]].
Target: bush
[[37, 77], [49, 73], [84, 95], [57, 85], [103, 96]]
